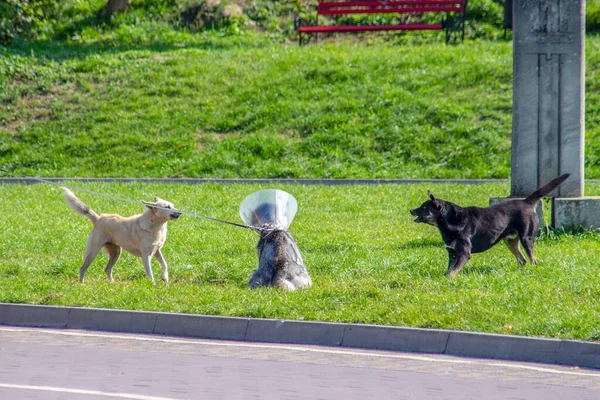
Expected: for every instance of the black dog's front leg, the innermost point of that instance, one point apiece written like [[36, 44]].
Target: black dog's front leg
[[458, 256]]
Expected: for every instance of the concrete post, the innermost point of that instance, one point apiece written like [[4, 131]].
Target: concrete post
[[548, 95], [548, 106]]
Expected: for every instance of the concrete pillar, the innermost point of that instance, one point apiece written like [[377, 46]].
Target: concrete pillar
[[548, 95], [548, 106]]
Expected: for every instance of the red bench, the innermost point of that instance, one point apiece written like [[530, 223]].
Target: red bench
[[452, 21]]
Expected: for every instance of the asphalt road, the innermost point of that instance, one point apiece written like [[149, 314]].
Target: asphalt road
[[68, 364]]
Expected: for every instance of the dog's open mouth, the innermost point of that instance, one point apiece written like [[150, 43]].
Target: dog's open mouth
[[175, 216], [414, 213]]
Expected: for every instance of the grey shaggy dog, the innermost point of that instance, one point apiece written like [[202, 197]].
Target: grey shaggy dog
[[279, 262]]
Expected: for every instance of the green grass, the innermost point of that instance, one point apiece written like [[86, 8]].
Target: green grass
[[369, 262], [205, 105], [146, 100]]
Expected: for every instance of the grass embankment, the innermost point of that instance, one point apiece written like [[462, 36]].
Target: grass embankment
[[369, 262], [244, 107]]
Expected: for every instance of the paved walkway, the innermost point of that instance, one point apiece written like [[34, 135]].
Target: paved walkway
[[69, 364]]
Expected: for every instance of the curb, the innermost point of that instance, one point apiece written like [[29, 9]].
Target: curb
[[287, 181], [415, 340]]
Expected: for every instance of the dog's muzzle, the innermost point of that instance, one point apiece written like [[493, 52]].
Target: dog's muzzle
[[175, 215], [414, 213]]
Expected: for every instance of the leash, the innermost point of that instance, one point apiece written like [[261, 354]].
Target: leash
[[254, 228]]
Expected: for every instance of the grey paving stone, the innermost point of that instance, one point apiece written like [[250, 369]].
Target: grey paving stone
[[395, 338], [201, 326], [300, 332], [112, 320], [467, 344]]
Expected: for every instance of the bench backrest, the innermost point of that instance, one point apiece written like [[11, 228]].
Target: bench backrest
[[378, 7]]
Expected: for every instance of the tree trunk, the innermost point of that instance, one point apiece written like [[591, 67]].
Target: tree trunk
[[114, 6]]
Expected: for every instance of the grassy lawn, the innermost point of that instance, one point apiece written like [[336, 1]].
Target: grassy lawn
[[369, 262], [141, 102], [202, 106]]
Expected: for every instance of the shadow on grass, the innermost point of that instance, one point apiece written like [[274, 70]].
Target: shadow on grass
[[551, 235], [477, 270], [419, 244], [57, 50], [110, 36]]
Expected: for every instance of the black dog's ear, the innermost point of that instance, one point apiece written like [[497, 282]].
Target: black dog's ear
[[436, 203]]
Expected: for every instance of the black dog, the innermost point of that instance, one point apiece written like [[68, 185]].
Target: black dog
[[474, 229]]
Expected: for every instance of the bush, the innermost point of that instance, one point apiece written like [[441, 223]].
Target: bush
[[486, 11], [156, 9], [592, 15], [199, 14], [63, 19], [26, 19], [278, 16]]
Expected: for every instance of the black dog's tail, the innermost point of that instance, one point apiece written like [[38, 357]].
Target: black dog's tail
[[545, 190]]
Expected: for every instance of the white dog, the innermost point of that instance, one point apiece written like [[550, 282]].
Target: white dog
[[142, 235]]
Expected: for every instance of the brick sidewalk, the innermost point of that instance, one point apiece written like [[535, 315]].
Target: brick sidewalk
[[175, 368]]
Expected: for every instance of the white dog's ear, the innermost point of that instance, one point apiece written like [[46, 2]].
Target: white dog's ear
[[148, 204]]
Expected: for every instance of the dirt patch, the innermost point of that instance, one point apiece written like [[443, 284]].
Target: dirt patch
[[36, 106], [289, 134]]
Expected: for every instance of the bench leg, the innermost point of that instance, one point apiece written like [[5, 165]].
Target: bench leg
[[454, 26]]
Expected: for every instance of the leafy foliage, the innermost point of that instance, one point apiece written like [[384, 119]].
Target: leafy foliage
[[27, 19], [592, 15], [43, 19]]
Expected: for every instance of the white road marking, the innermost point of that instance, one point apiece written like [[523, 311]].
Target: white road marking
[[204, 342], [82, 391], [549, 370]]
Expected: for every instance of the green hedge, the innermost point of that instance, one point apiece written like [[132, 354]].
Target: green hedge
[[592, 15], [26, 19], [62, 19]]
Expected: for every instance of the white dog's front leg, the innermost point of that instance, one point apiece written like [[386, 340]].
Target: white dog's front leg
[[148, 266], [163, 265]]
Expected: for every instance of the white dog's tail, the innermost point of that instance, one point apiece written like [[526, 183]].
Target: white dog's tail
[[79, 206]]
